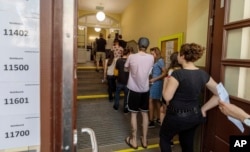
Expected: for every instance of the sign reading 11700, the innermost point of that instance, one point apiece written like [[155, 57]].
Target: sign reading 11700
[[15, 32]]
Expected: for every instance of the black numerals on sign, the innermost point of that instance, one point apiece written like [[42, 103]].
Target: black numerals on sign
[[15, 134], [10, 32], [16, 67], [16, 101]]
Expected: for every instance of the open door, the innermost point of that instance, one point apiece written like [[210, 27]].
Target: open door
[[228, 61]]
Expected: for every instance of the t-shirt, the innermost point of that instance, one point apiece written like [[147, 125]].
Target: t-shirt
[[122, 77], [191, 83], [139, 65], [109, 44], [110, 68], [100, 45]]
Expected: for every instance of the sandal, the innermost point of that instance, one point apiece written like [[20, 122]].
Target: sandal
[[128, 142], [143, 144]]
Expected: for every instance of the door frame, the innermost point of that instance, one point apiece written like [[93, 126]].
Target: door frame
[[51, 83]]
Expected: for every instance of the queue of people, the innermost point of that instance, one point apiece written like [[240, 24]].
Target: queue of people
[[170, 96]]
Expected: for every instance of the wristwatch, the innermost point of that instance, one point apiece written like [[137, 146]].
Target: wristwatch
[[247, 122]]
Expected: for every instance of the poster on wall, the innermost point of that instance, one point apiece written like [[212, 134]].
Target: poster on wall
[[19, 73], [169, 51]]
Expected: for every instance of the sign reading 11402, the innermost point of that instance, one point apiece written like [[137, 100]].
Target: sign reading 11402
[[16, 67], [11, 32]]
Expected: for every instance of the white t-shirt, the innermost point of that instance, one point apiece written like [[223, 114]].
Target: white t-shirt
[[110, 69], [109, 44], [139, 65]]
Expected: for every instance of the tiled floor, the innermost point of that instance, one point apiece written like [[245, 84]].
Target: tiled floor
[[110, 126]]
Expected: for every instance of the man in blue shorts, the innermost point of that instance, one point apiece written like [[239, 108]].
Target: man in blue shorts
[[139, 66]]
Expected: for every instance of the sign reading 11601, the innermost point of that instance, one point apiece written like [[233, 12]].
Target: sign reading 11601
[[11, 32], [16, 101], [16, 67]]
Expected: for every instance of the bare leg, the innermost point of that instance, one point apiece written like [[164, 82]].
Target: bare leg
[[97, 65], [158, 106], [105, 70], [151, 109], [162, 112], [134, 128], [144, 127]]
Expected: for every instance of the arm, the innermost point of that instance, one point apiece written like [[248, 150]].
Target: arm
[[214, 100], [163, 74], [126, 69], [169, 89], [165, 81], [126, 65], [233, 111]]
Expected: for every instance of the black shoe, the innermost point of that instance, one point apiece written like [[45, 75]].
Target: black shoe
[[125, 110], [158, 122], [115, 108], [97, 70], [172, 143], [151, 124]]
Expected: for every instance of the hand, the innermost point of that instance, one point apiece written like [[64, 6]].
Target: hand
[[233, 111], [151, 81], [203, 112]]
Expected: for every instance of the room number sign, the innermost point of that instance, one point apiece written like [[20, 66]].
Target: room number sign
[[19, 73]]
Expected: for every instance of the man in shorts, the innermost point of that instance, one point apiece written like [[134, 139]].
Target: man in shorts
[[100, 51], [139, 66]]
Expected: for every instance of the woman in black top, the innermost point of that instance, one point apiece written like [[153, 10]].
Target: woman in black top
[[182, 94]]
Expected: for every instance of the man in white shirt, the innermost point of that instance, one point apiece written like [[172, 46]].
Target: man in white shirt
[[139, 66]]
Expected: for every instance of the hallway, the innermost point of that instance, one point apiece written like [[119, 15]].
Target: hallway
[[96, 112]]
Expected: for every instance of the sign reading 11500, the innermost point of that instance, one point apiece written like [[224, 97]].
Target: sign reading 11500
[[16, 67], [11, 32]]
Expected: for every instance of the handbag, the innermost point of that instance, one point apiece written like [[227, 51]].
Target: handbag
[[115, 72]]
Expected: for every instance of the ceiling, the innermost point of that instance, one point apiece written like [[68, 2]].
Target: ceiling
[[110, 6]]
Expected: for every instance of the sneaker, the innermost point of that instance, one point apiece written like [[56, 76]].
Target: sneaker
[[125, 110], [151, 124], [115, 108], [172, 144], [158, 122]]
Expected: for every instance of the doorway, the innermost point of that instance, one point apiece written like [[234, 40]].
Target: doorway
[[229, 63]]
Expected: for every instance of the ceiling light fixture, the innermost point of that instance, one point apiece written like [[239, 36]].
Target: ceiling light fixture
[[97, 29], [100, 16]]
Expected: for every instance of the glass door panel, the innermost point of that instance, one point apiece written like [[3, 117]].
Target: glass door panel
[[237, 43], [237, 81], [238, 10]]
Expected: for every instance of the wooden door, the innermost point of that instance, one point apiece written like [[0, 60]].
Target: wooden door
[[228, 61]]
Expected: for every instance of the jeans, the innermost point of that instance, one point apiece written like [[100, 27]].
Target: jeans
[[111, 86], [119, 88]]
